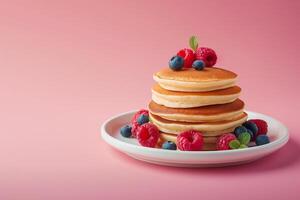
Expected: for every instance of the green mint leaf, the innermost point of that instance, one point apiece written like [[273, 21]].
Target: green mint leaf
[[234, 144], [194, 43], [243, 146], [244, 138]]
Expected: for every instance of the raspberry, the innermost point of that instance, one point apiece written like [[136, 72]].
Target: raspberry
[[261, 125], [137, 114], [134, 129], [190, 141], [148, 135], [188, 56], [134, 120], [207, 55], [224, 140]]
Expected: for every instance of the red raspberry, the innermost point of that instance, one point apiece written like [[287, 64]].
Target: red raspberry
[[188, 56], [137, 114], [261, 125], [190, 141], [207, 55], [224, 140], [134, 129], [134, 123], [148, 135]]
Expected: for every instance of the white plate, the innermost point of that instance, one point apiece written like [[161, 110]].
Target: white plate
[[278, 134]]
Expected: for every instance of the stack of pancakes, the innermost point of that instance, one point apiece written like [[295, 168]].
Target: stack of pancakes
[[206, 101]]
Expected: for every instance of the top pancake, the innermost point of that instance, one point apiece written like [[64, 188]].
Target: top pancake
[[191, 80], [207, 74]]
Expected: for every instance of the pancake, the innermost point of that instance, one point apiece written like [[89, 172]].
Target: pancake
[[175, 99], [191, 80], [212, 113], [209, 142], [209, 147], [207, 128]]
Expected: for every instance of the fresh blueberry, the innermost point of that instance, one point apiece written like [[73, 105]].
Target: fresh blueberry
[[142, 119], [262, 139], [126, 131], [176, 63], [238, 130], [252, 126], [169, 145], [198, 65]]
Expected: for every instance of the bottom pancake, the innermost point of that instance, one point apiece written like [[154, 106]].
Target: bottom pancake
[[207, 129], [209, 147]]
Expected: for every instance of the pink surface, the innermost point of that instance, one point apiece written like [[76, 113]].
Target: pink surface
[[67, 66]]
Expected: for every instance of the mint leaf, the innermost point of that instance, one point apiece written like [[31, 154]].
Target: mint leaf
[[244, 138], [243, 146], [194, 43], [234, 144]]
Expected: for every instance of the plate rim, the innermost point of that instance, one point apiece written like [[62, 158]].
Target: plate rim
[[112, 140]]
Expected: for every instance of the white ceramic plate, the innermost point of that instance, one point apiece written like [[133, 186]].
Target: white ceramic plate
[[278, 134]]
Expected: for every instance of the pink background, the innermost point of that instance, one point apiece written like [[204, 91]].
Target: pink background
[[67, 66]]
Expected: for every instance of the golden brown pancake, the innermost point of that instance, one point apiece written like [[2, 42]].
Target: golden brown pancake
[[207, 74], [223, 92], [207, 128], [209, 79], [198, 114], [209, 147], [176, 99]]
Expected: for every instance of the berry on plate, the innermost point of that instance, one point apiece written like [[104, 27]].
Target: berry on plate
[[198, 65], [190, 141], [238, 130], [262, 126], [169, 145], [262, 139], [176, 63], [148, 135], [134, 120], [207, 55], [134, 129], [137, 115], [251, 134], [188, 56], [142, 119], [224, 140], [252, 127], [126, 131]]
